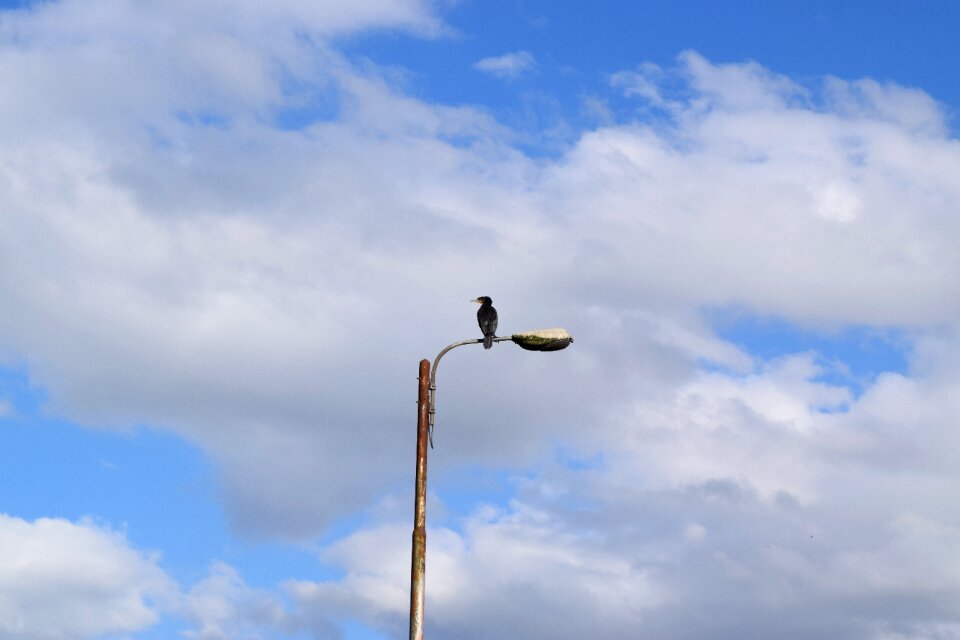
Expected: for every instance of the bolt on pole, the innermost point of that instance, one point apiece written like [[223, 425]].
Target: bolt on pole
[[419, 555]]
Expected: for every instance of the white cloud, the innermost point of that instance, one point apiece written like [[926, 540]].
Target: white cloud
[[80, 580], [65, 580], [507, 575], [644, 83], [223, 606], [911, 109], [508, 66], [783, 203], [50, 21]]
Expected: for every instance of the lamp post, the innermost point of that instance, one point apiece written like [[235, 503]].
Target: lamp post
[[539, 340]]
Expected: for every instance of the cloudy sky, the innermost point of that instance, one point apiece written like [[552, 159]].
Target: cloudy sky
[[229, 231]]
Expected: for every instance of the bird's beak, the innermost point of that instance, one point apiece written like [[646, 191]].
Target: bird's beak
[[477, 300]]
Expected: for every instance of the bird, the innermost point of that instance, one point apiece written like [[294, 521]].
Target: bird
[[487, 319]]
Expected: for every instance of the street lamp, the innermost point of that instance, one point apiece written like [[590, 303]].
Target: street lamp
[[539, 340]]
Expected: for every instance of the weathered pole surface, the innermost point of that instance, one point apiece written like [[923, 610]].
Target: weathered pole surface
[[419, 555]]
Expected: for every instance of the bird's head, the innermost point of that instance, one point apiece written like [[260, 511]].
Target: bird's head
[[483, 300]]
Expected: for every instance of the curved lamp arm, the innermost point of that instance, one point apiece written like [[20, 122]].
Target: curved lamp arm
[[539, 340], [433, 379]]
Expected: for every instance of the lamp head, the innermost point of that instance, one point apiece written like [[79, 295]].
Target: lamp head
[[543, 339]]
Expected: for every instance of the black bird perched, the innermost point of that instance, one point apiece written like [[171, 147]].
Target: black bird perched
[[487, 319]]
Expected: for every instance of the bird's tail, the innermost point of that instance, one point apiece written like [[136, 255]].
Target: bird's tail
[[487, 342]]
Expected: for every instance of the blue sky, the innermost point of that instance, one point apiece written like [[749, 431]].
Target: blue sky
[[577, 47], [903, 42], [229, 231]]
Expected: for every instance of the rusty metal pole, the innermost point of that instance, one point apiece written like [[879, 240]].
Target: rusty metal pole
[[419, 555]]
